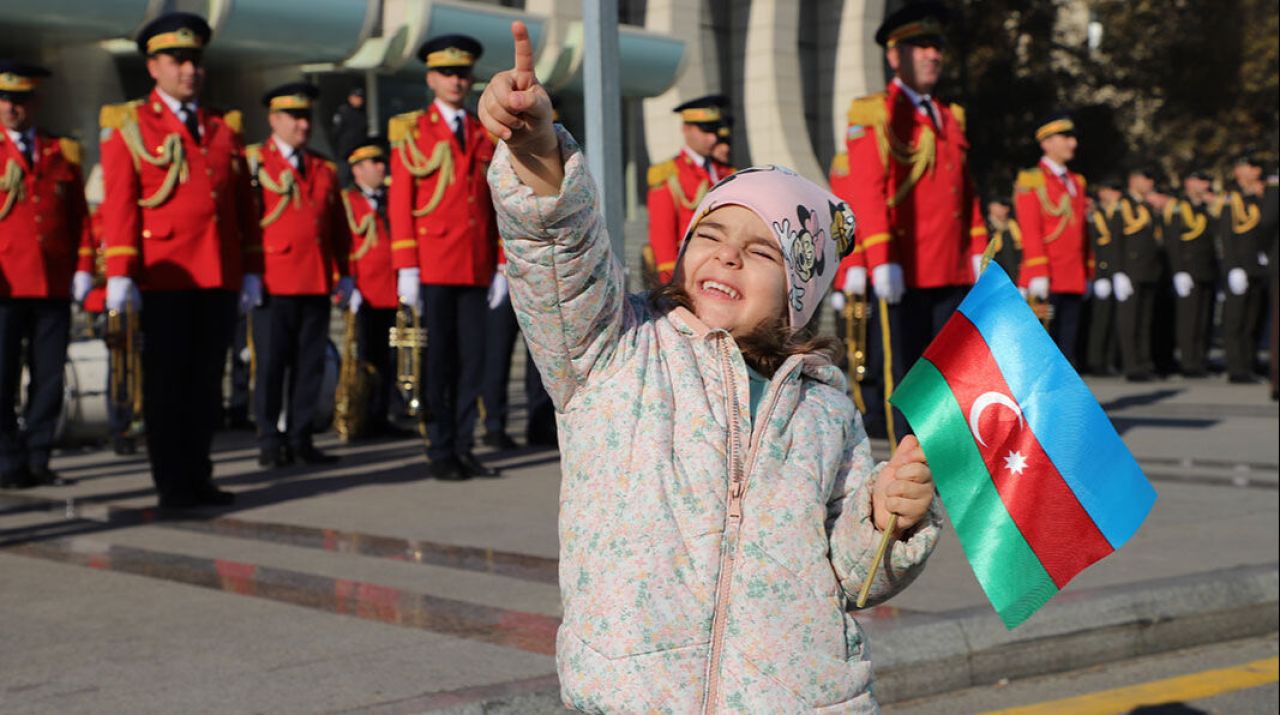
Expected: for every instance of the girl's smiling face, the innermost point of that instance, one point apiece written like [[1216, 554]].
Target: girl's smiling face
[[733, 271]]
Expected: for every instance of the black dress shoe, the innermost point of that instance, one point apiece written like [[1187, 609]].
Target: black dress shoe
[[213, 496], [275, 457], [448, 469], [475, 467], [45, 477], [308, 454], [498, 440]]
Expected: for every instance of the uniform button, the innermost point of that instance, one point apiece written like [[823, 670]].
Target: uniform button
[[422, 230], [214, 194], [208, 172], [35, 199], [146, 233]]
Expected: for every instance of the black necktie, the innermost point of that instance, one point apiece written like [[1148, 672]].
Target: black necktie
[[26, 145], [928, 110], [459, 131], [192, 121], [300, 162]]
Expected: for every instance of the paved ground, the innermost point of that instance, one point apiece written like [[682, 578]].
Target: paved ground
[[363, 587]]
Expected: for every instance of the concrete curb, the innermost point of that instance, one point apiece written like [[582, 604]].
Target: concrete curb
[[926, 654]]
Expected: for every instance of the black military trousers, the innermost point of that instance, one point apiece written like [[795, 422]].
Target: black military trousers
[[1101, 353], [913, 323], [1242, 318], [1133, 325], [34, 331], [373, 330], [501, 331], [289, 339], [185, 336], [238, 402], [1064, 328], [1194, 314], [454, 317]]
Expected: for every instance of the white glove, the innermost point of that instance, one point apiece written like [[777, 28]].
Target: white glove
[[837, 301], [888, 281], [355, 300], [977, 266], [1263, 260], [121, 292], [1123, 286], [1237, 281], [344, 289], [855, 280], [409, 286], [1039, 287], [497, 290], [250, 292], [1102, 288], [1182, 284], [81, 284]]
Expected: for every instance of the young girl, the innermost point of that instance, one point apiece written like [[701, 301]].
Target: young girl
[[719, 507]]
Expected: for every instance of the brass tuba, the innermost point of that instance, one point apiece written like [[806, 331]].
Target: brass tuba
[[855, 342], [124, 341], [357, 382], [409, 339]]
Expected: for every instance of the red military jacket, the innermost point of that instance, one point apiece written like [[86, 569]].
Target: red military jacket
[[676, 187], [303, 240], [442, 219], [96, 300], [910, 190], [44, 223], [177, 214], [841, 186], [370, 250], [1054, 241]]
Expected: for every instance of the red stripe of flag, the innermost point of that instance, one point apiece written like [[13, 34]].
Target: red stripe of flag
[[1046, 511]]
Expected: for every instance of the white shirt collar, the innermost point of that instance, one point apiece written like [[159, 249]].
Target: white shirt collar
[[913, 95], [449, 113], [701, 161], [174, 105], [27, 137], [287, 151], [1054, 166]]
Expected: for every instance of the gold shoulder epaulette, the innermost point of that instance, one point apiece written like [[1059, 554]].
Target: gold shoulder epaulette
[[398, 126], [253, 153], [333, 165], [958, 112], [114, 116], [659, 173], [840, 165], [868, 110], [70, 149], [234, 121], [1029, 180]]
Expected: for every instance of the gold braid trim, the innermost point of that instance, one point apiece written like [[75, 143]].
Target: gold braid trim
[[421, 166], [171, 154], [1243, 218], [1194, 222], [1063, 209], [11, 184], [677, 191], [1104, 233], [1134, 223], [1016, 231], [366, 228], [287, 189], [919, 157]]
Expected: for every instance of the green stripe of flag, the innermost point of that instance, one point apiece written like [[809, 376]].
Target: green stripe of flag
[[1009, 571]]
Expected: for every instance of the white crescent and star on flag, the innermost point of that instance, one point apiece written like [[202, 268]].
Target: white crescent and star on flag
[[1014, 461]]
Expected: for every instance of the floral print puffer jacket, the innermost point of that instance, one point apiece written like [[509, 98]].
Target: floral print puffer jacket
[[707, 560]]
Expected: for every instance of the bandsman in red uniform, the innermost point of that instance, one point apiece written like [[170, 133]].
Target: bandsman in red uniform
[[1051, 207], [304, 245], [374, 300], [445, 236], [919, 225], [677, 185], [44, 242], [181, 241]]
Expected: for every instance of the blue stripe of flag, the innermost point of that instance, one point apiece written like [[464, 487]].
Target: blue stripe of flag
[[1063, 414]]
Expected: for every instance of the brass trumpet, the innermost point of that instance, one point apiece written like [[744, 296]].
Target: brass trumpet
[[855, 341], [1042, 308], [357, 381], [408, 339], [124, 341]]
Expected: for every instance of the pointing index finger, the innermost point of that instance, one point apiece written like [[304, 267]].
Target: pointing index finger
[[524, 48]]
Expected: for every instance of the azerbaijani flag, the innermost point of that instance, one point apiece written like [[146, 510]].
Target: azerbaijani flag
[[1036, 480]]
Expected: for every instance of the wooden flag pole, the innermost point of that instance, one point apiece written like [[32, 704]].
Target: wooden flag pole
[[893, 448]]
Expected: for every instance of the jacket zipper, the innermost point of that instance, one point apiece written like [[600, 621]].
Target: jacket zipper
[[729, 547]]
